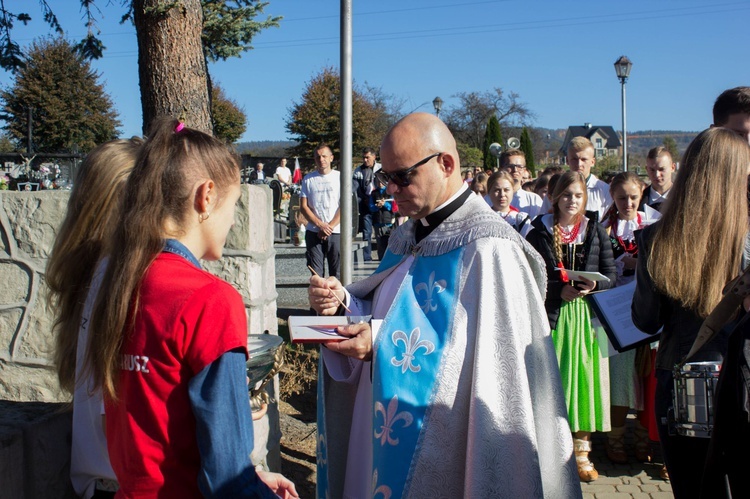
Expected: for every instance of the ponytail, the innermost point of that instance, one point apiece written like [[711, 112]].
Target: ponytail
[[159, 194]]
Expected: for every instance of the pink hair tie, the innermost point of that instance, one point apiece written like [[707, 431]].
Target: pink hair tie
[[180, 126]]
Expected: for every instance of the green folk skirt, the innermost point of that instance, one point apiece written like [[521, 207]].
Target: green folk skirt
[[584, 372]]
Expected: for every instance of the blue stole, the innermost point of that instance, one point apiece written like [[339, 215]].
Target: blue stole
[[407, 358]]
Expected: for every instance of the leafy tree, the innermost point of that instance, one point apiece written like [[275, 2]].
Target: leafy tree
[[69, 105], [228, 30], [468, 119], [389, 108], [671, 146], [315, 118], [492, 134], [469, 156], [229, 120], [6, 145], [528, 150], [173, 47]]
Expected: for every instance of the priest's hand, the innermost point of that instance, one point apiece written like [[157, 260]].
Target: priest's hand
[[359, 342], [322, 295]]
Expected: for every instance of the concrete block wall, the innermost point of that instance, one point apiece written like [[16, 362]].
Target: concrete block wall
[[28, 225]]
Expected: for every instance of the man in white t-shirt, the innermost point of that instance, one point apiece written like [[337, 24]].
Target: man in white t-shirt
[[320, 204], [283, 174], [513, 161], [581, 158]]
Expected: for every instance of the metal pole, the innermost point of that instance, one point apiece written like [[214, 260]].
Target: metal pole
[[624, 131], [347, 256]]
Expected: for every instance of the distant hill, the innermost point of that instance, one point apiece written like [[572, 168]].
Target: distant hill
[[265, 148], [639, 141]]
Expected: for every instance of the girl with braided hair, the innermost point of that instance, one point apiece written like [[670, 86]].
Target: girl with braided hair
[[570, 238], [627, 382]]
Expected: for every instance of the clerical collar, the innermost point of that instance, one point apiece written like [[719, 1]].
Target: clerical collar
[[426, 225]]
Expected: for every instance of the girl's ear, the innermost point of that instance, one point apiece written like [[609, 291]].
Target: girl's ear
[[205, 195]]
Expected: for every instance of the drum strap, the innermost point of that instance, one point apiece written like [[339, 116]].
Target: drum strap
[[723, 313]]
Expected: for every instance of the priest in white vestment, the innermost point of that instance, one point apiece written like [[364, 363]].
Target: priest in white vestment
[[453, 389]]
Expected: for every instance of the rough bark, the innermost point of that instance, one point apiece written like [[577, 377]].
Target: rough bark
[[171, 64]]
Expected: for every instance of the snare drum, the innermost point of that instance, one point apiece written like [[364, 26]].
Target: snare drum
[[694, 388]]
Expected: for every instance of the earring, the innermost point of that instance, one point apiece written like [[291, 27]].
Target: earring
[[202, 217]]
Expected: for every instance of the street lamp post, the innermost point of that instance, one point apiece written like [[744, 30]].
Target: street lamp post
[[438, 104], [622, 68]]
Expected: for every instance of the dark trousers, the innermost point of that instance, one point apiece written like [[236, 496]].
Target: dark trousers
[[365, 227], [103, 494], [382, 235], [684, 456], [319, 250]]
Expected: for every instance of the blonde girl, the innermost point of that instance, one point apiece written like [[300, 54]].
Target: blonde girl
[[684, 261], [622, 220], [500, 192], [570, 238], [82, 240]]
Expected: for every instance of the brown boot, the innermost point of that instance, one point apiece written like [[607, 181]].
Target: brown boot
[[586, 470], [615, 445]]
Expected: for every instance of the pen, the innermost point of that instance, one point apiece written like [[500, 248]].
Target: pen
[[334, 294]]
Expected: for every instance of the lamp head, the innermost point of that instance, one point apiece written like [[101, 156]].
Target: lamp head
[[623, 67]]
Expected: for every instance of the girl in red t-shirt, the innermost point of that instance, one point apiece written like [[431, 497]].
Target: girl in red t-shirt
[[170, 349]]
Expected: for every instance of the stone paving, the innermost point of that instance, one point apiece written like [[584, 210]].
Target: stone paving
[[620, 481], [616, 481]]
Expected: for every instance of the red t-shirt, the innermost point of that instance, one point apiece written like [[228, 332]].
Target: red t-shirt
[[187, 318]]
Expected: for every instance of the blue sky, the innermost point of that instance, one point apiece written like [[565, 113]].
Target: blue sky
[[557, 55]]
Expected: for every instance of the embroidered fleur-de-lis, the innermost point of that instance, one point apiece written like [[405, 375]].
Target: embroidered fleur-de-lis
[[382, 489], [429, 289], [411, 344], [390, 417], [321, 451]]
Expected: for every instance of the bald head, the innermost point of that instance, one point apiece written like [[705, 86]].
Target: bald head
[[411, 140], [420, 133]]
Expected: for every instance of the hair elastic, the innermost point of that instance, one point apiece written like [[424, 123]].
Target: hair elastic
[[180, 126]]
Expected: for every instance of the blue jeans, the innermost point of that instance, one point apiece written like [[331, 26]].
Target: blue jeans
[[319, 250], [365, 225]]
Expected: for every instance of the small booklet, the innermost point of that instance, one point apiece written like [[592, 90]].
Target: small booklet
[[319, 329], [612, 307], [575, 275]]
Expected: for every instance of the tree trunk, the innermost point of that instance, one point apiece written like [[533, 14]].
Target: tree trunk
[[171, 65]]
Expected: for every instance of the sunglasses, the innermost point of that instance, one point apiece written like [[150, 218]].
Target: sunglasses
[[402, 178]]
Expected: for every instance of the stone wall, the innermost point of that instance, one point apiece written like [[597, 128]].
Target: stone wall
[[28, 224]]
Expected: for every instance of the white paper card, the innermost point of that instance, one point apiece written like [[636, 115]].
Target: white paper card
[[591, 276], [316, 329]]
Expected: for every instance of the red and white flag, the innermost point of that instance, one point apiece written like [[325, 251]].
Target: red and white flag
[[297, 177]]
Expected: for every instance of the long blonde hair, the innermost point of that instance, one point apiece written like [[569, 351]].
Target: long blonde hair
[[83, 238], [160, 191], [566, 180], [698, 244]]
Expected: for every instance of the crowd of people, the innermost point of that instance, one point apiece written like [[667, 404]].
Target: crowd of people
[[483, 371], [423, 390]]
